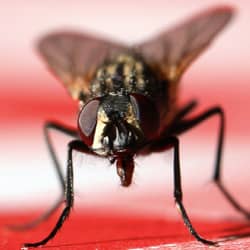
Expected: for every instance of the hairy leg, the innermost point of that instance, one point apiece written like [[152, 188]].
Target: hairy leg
[[174, 142], [67, 130], [186, 124], [69, 194]]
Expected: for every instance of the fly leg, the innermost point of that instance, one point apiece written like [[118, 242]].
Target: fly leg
[[185, 110], [174, 142], [69, 194], [182, 112], [70, 132], [186, 124]]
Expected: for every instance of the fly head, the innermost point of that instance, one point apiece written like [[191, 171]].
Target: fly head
[[118, 123]]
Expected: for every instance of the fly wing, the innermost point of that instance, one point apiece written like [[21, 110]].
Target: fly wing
[[173, 51], [74, 57]]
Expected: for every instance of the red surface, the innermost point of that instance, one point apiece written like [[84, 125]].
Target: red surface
[[106, 231], [96, 231]]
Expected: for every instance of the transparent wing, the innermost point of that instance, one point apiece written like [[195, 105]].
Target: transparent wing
[[74, 57], [174, 50]]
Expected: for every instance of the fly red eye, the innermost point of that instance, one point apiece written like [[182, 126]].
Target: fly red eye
[[146, 113], [87, 121]]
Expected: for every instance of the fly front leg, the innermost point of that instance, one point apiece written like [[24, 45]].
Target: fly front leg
[[67, 130], [69, 194], [174, 142]]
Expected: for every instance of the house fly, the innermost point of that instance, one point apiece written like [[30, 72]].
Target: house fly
[[128, 102]]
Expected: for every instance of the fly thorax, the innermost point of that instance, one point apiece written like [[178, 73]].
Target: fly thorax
[[124, 72]]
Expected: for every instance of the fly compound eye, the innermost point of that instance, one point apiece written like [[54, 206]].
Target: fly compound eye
[[146, 114], [87, 121]]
